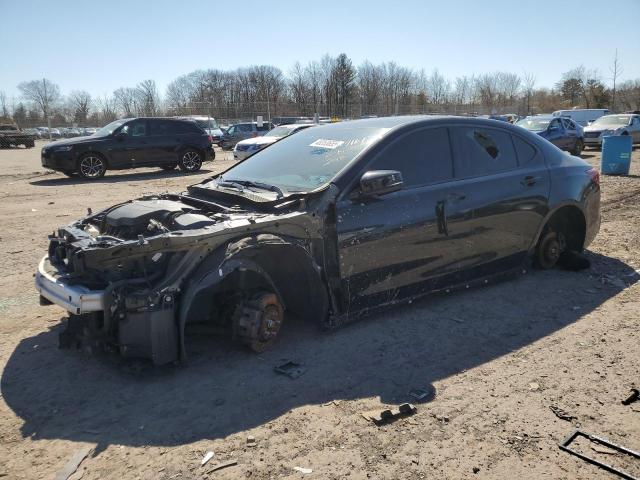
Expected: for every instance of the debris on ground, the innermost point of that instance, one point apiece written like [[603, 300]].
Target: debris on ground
[[602, 445], [221, 465], [421, 394], [633, 397], [605, 450], [73, 463], [561, 414], [251, 441], [291, 369], [534, 386], [303, 470], [387, 415], [207, 456]]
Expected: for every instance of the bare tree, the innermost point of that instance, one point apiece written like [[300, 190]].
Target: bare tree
[[528, 84], [125, 99], [80, 103], [147, 98], [4, 110], [616, 70], [44, 94]]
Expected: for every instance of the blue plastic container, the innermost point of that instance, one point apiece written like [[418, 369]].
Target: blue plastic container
[[616, 155]]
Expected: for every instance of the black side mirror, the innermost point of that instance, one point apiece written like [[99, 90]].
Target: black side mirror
[[380, 182], [120, 135]]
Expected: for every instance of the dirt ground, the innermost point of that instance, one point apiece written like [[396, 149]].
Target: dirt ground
[[498, 359]]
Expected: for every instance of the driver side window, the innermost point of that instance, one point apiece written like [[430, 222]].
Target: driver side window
[[135, 129]]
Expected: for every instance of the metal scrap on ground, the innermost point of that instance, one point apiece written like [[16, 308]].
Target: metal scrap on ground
[[291, 369], [387, 415], [73, 463], [561, 414], [221, 465], [600, 441], [633, 397]]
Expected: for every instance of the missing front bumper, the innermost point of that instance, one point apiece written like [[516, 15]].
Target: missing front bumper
[[76, 299]]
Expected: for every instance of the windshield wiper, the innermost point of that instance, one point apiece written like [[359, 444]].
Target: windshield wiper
[[263, 186]]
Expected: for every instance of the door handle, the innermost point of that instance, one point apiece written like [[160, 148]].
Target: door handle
[[529, 180]]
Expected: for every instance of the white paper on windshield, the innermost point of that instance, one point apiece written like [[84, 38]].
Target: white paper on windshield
[[325, 143]]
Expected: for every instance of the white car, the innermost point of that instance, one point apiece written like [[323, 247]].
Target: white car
[[621, 124], [582, 116], [250, 146]]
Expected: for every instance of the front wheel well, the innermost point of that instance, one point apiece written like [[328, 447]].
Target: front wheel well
[[568, 220], [92, 152]]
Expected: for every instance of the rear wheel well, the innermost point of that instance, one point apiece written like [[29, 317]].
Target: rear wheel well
[[569, 221]]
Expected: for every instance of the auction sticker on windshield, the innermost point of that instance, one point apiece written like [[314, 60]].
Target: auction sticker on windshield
[[325, 143]]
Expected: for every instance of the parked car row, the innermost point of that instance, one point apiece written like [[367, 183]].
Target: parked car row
[[566, 128], [63, 132], [245, 148]]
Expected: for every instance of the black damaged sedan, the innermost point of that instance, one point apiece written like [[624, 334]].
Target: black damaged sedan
[[329, 223]]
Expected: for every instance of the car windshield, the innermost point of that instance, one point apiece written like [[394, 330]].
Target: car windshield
[[613, 120], [207, 124], [108, 129], [306, 160], [7, 127], [279, 132], [534, 124]]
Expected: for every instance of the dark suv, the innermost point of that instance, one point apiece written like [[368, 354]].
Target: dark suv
[[132, 143], [327, 223]]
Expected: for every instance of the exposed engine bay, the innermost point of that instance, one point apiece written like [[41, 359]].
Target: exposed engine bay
[[137, 273]]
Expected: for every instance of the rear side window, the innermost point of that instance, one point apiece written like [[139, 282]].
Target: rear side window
[[183, 127], [482, 151], [244, 128], [423, 157], [160, 127], [526, 153]]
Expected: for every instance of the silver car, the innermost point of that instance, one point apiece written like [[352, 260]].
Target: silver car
[[250, 146], [620, 124]]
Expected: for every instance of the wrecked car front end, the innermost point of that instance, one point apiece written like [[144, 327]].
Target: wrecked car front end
[[132, 276]]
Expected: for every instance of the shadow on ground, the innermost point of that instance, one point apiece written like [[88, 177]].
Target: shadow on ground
[[224, 389], [117, 177]]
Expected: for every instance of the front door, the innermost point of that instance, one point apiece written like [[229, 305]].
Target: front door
[[130, 145], [557, 135], [406, 242]]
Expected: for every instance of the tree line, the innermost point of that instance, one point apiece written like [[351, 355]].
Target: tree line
[[331, 86]]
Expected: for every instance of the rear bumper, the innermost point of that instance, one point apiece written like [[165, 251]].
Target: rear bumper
[[76, 299]]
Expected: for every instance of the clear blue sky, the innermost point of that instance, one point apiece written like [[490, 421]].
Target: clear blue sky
[[100, 46]]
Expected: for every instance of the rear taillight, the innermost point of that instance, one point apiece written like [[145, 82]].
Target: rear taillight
[[595, 175], [210, 139]]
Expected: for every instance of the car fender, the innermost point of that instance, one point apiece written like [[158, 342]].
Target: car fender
[[260, 254], [552, 211]]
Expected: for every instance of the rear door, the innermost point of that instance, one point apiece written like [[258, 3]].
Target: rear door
[[399, 244], [508, 183], [163, 142], [571, 132]]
